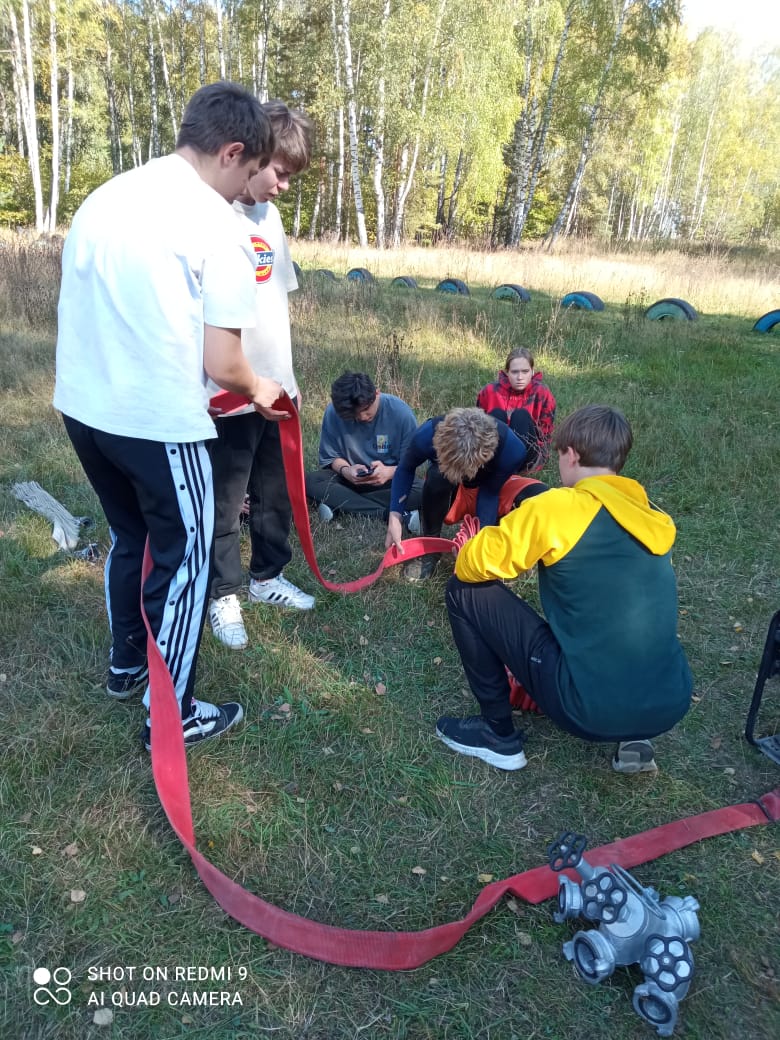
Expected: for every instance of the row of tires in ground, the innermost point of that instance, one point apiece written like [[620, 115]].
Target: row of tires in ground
[[669, 307]]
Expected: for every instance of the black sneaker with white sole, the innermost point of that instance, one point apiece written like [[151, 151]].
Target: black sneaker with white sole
[[204, 721], [121, 685], [475, 737], [634, 756]]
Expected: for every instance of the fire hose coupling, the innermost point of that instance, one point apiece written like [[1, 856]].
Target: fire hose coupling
[[634, 926]]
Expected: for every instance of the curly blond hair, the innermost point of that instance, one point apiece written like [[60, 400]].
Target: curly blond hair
[[464, 441]]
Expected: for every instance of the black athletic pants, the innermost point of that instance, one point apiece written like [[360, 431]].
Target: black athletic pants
[[247, 458], [323, 485], [522, 424], [494, 628], [163, 491]]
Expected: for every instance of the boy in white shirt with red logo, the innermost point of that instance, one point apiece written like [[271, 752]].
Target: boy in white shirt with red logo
[[247, 456]]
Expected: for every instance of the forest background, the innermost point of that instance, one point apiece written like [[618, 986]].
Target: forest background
[[488, 123]]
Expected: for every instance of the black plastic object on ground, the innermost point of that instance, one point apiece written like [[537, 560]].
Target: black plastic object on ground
[[454, 286], [671, 308], [511, 291], [770, 665], [583, 301], [359, 274], [767, 322], [403, 281]]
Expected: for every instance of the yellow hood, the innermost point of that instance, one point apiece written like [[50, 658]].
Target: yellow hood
[[627, 501]]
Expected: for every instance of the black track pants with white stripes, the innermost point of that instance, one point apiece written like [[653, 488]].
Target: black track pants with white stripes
[[163, 491]]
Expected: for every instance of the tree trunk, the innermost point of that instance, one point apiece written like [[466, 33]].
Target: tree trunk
[[441, 194], [357, 191], [700, 191], [202, 66], [658, 224], [568, 208], [406, 186], [608, 218], [68, 135], [260, 76], [296, 228], [5, 122], [316, 209], [379, 133], [166, 76], [452, 209], [337, 182], [113, 112], [17, 88], [25, 77], [154, 111], [220, 41], [135, 141], [54, 196], [522, 150], [540, 137]]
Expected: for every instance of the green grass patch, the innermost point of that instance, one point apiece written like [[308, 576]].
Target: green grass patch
[[335, 788]]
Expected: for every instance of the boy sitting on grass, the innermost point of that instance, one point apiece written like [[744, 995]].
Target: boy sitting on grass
[[606, 664]]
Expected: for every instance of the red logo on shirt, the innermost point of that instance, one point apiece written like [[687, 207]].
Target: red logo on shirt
[[265, 258]]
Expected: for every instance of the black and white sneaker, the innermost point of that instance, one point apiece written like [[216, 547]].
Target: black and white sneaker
[[634, 756], [204, 721], [121, 685], [476, 738]]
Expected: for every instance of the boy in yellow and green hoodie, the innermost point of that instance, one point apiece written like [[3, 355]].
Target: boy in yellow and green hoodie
[[605, 663]]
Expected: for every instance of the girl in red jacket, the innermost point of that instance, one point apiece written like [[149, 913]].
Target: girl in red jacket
[[521, 400]]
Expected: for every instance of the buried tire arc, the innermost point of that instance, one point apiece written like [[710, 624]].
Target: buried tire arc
[[583, 301], [767, 321]]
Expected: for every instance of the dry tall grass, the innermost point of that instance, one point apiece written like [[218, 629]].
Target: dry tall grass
[[737, 283]]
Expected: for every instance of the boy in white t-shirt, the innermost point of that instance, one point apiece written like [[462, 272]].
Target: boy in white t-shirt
[[151, 302], [247, 455]]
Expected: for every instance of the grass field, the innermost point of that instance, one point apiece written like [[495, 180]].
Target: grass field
[[335, 791]]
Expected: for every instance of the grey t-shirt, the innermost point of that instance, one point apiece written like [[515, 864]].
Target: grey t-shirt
[[384, 439]]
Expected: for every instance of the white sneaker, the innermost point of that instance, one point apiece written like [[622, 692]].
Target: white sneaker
[[279, 592], [226, 622], [324, 512]]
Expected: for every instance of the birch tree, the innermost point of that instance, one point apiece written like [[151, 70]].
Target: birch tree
[[569, 206], [411, 152], [379, 130], [22, 56], [349, 80], [532, 128], [50, 218]]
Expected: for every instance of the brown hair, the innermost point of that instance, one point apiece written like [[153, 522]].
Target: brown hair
[[292, 135], [600, 435], [519, 352], [221, 113], [464, 441], [351, 393]]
